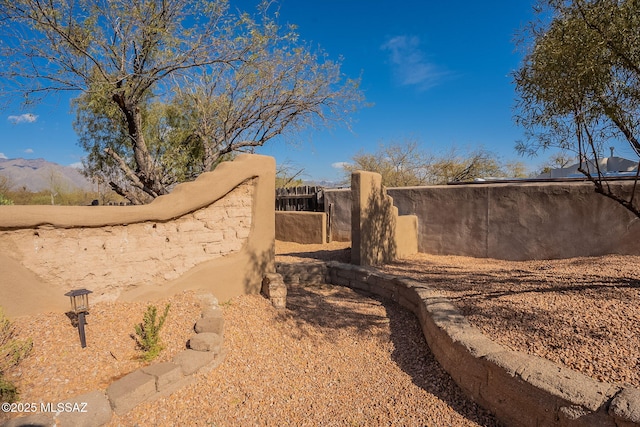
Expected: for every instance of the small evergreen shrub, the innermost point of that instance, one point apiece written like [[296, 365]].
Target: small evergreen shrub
[[148, 332], [12, 351], [5, 201]]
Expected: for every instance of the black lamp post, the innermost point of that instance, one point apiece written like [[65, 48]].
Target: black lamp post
[[80, 306]]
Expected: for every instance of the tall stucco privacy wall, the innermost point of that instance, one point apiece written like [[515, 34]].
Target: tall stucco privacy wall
[[521, 221], [215, 233], [515, 221]]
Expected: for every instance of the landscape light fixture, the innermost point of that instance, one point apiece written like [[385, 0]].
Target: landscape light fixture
[[80, 306]]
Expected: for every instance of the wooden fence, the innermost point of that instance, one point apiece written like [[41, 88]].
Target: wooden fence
[[304, 198]]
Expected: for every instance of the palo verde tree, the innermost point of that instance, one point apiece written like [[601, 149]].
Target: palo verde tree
[[168, 88], [579, 83]]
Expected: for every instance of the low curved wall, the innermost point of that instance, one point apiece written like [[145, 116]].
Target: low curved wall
[[215, 233], [521, 390]]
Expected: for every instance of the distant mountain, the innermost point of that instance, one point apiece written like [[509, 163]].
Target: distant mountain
[[39, 174], [325, 183]]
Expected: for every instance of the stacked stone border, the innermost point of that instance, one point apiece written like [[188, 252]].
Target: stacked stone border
[[94, 409], [519, 389]]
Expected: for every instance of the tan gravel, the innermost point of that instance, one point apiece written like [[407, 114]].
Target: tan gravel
[[333, 357], [58, 368], [580, 312], [338, 357]]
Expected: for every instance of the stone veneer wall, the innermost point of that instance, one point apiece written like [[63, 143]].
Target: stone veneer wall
[[149, 251], [215, 233]]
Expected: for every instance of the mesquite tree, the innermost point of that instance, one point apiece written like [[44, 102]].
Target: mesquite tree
[[579, 83], [168, 88]]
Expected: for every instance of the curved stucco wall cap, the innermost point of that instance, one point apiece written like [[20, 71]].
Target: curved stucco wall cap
[[184, 198]]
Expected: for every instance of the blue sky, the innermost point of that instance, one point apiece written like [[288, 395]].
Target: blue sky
[[438, 72]]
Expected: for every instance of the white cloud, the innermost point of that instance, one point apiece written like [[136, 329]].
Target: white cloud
[[340, 165], [23, 118], [2, 156], [29, 151], [76, 165], [409, 63]]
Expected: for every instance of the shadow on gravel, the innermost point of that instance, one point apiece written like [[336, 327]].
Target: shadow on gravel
[[339, 310], [341, 255], [413, 356], [520, 299]]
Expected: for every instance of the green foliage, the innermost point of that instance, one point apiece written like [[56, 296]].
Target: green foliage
[[404, 164], [169, 89], [579, 83], [65, 198], [288, 175], [12, 351], [5, 201], [148, 332]]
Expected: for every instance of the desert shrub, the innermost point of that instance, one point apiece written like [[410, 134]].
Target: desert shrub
[[5, 201], [12, 351], [148, 332]]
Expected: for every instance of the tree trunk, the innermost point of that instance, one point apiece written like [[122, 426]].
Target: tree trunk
[[148, 180]]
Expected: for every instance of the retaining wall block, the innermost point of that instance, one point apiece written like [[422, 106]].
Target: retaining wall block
[[551, 394], [566, 384], [308, 273], [427, 294], [97, 407], [380, 279], [340, 281], [408, 303], [130, 390], [391, 294], [191, 361], [577, 416], [165, 374], [211, 311], [506, 394], [625, 407], [275, 290], [210, 324], [385, 282], [459, 348], [346, 273], [206, 341], [363, 286]]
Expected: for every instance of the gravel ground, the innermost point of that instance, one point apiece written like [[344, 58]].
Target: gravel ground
[[580, 312], [58, 368], [333, 357], [338, 357]]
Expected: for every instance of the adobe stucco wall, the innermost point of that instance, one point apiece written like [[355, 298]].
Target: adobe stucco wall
[[301, 227], [215, 233], [510, 221], [378, 234], [520, 221], [337, 206]]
